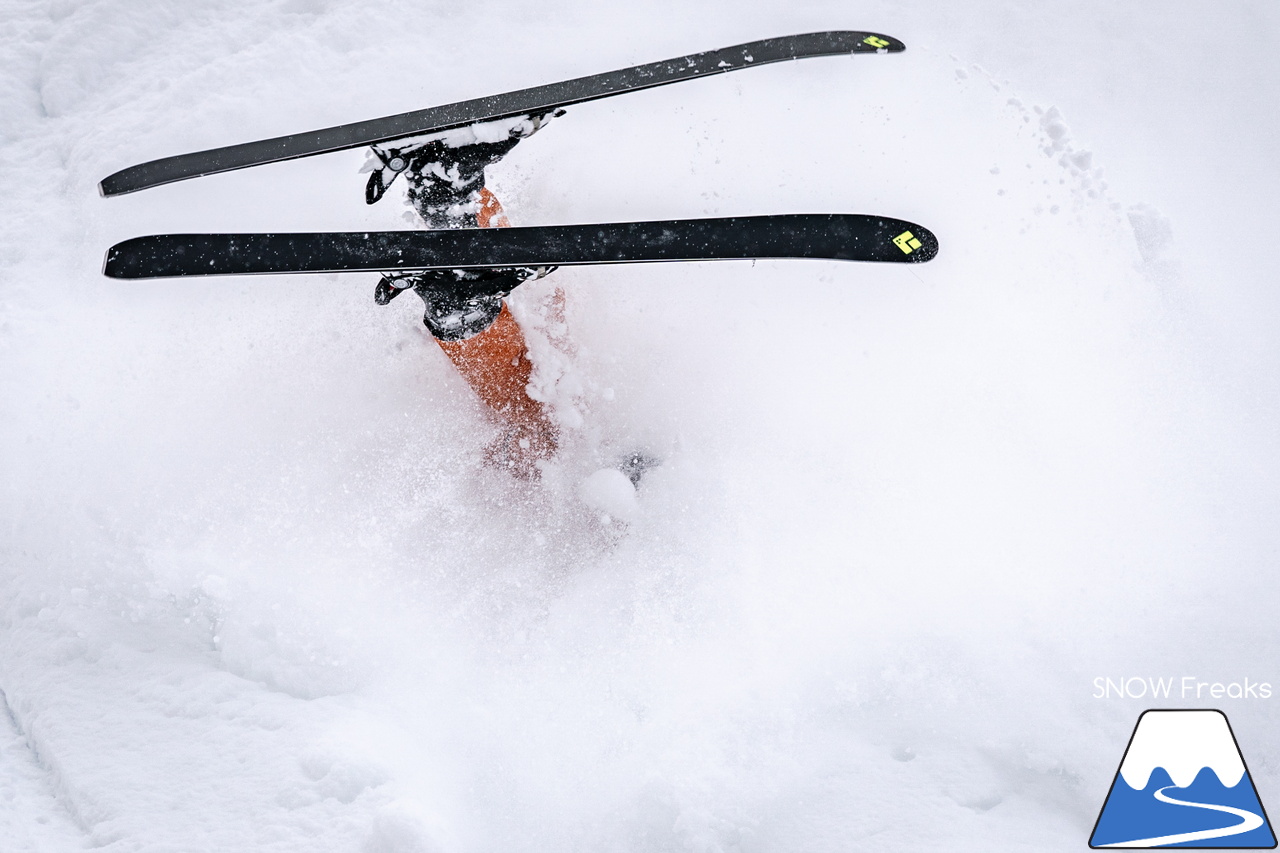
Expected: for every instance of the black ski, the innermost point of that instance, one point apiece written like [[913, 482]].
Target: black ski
[[847, 237], [538, 100]]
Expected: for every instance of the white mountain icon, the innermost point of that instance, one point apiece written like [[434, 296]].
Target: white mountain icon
[[1183, 743], [1183, 782]]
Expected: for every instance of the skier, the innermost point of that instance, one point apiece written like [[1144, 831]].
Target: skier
[[444, 168], [465, 309]]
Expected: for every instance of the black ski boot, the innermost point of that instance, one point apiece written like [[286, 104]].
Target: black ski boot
[[463, 303], [446, 188]]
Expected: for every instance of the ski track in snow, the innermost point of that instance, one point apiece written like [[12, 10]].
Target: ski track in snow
[[31, 816], [257, 592]]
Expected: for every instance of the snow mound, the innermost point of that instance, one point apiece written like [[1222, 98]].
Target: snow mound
[[609, 491]]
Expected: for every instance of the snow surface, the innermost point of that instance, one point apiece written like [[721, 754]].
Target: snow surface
[[258, 593], [1183, 743]]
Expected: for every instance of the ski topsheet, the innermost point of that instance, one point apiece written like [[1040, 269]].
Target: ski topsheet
[[848, 237], [535, 101]]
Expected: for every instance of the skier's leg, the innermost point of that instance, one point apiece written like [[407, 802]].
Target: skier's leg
[[465, 309], [496, 365], [490, 214]]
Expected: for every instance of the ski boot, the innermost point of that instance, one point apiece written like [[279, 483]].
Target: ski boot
[[465, 311]]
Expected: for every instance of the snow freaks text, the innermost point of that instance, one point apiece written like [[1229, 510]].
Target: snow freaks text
[[1186, 687]]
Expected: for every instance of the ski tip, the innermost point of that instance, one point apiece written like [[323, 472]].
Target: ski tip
[[877, 43], [914, 243]]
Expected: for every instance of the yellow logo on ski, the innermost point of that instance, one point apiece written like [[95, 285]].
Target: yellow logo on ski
[[876, 42], [907, 242]]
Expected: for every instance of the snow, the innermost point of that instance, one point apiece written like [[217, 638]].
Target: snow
[[257, 590], [610, 492]]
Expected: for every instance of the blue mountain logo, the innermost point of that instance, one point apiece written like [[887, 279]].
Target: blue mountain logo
[[1183, 783]]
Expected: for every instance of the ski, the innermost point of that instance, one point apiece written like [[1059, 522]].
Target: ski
[[847, 237], [539, 100]]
